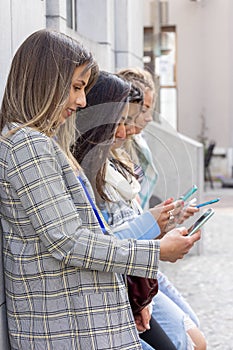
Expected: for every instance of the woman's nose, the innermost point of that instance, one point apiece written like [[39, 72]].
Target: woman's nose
[[130, 129], [81, 99], [148, 117], [121, 132]]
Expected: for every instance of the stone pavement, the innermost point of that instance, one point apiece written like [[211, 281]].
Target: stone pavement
[[206, 280]]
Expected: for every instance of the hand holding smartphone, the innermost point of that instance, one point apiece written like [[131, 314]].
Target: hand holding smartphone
[[197, 225]]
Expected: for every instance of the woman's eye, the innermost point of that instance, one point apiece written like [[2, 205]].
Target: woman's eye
[[146, 110], [77, 88], [128, 121]]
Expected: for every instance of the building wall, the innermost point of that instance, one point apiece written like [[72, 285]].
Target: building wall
[[56, 15], [204, 72], [18, 18], [129, 29], [111, 29], [96, 27], [177, 159], [180, 165]]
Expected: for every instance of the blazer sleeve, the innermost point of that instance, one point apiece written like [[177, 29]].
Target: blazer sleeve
[[35, 176]]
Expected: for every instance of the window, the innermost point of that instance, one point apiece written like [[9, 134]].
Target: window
[[166, 70], [160, 58]]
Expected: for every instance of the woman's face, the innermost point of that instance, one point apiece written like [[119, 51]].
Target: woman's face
[[134, 111], [120, 133], [77, 96], [146, 115]]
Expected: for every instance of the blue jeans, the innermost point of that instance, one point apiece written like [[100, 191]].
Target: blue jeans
[[167, 288], [146, 346], [169, 310]]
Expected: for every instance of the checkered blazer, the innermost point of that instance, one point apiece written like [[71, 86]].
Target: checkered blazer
[[63, 277]]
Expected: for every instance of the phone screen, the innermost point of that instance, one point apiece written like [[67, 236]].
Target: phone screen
[[195, 227]]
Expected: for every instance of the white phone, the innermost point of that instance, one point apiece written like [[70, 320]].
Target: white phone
[[202, 219]]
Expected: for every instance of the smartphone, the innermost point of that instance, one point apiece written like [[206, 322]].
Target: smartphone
[[202, 219], [208, 202], [189, 193]]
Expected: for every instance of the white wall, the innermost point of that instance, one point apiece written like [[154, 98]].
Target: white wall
[[179, 161], [18, 19], [204, 72], [98, 22], [217, 67], [56, 15], [96, 28], [129, 29]]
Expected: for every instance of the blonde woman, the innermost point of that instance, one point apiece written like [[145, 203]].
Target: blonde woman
[[63, 276]]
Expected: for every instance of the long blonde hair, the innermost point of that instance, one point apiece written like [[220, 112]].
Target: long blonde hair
[[39, 81], [145, 81], [141, 78]]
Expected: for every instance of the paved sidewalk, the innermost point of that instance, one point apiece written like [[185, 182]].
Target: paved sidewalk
[[206, 280]]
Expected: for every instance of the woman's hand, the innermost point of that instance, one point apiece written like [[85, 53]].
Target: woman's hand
[[142, 319], [186, 213], [166, 214], [174, 216], [161, 213], [174, 245]]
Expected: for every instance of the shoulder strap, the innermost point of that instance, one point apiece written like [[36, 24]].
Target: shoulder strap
[[102, 225]]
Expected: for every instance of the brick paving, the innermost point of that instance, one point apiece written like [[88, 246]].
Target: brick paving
[[206, 280]]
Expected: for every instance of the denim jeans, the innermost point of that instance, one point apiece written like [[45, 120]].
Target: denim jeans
[[146, 346], [166, 287], [169, 310]]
